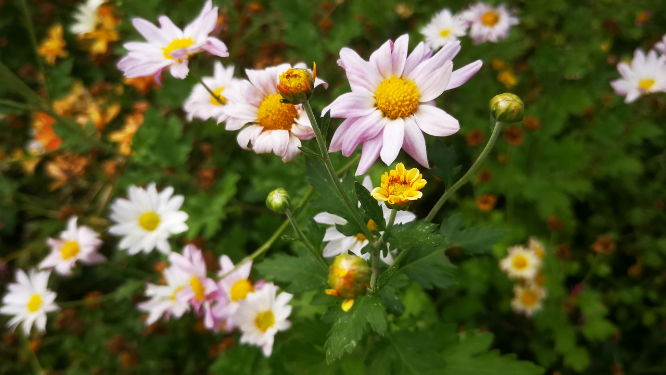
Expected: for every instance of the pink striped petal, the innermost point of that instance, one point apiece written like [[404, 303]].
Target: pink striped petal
[[393, 137], [434, 121], [399, 55], [365, 128], [340, 132], [462, 75], [414, 143], [370, 153]]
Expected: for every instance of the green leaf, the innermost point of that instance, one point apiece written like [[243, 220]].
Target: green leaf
[[370, 206], [420, 233], [389, 294], [385, 277], [160, 141], [426, 267], [207, 211], [470, 356], [406, 353], [325, 122], [577, 358], [315, 233], [300, 273], [310, 152], [473, 240], [349, 327], [443, 160], [60, 79], [241, 360]]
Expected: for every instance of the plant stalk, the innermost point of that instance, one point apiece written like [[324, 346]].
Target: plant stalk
[[304, 239]]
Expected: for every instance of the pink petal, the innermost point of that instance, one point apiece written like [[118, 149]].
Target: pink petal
[[414, 143], [340, 132], [351, 104], [364, 128], [247, 135], [361, 74], [149, 31], [435, 83], [180, 70], [381, 59], [462, 75], [419, 54], [434, 121], [369, 154], [399, 55], [394, 134], [216, 47]]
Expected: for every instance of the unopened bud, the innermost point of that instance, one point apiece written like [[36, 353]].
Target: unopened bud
[[278, 200], [348, 278], [507, 108], [297, 85]]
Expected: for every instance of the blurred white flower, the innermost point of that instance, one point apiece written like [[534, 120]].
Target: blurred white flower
[[163, 301], [521, 263], [202, 105], [86, 17], [75, 243], [645, 75], [236, 286], [28, 300], [661, 46], [527, 298], [489, 23], [444, 28]]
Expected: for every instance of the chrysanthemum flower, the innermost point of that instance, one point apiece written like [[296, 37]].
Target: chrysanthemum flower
[[261, 315], [95, 25], [273, 126], [444, 28], [170, 47], [338, 243], [489, 23], [201, 291], [521, 263], [661, 46], [202, 105], [163, 301], [527, 298], [399, 186], [28, 300], [645, 75], [537, 247], [75, 243], [147, 219], [53, 46], [236, 286], [392, 101]]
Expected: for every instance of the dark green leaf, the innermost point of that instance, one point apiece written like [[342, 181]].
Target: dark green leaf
[[418, 234], [426, 267], [309, 152], [473, 240], [300, 273], [389, 294], [325, 122], [370, 205], [315, 233], [443, 161], [406, 353]]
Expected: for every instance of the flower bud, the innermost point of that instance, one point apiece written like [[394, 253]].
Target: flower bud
[[297, 85], [278, 200], [348, 278], [507, 108]]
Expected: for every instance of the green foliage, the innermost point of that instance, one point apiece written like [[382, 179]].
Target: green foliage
[[472, 240], [443, 160], [160, 141], [300, 273], [370, 206]]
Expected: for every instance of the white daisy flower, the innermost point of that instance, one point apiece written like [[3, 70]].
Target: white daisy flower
[[338, 243], [527, 298], [163, 301], [261, 315], [444, 28], [202, 105], [489, 23], [273, 126], [147, 219], [645, 75], [86, 17], [236, 286], [29, 300], [170, 47], [521, 263], [75, 243], [537, 247], [661, 46]]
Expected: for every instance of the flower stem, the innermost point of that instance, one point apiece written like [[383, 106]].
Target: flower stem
[[331, 171], [217, 97], [304, 239], [448, 193], [33, 41], [375, 251]]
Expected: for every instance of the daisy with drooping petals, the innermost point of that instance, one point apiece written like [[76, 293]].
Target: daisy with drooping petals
[[400, 186], [170, 47], [338, 243], [527, 298], [489, 23], [444, 28], [645, 75], [261, 315], [200, 291], [392, 101], [202, 105], [661, 46], [147, 219], [521, 263], [273, 126], [236, 285], [29, 300], [75, 243], [163, 301]]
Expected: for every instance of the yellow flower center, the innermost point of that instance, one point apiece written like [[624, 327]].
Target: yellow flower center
[[175, 45], [35, 303], [173, 296], [198, 288], [490, 19], [218, 95], [539, 251], [371, 226], [264, 320], [241, 289], [444, 33], [397, 97], [149, 221], [646, 84], [519, 262], [69, 250], [274, 115], [529, 298], [398, 189]]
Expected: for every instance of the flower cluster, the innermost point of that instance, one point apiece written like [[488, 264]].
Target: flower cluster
[[524, 264]]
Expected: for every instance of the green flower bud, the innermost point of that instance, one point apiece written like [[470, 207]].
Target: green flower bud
[[349, 276], [278, 200], [507, 108]]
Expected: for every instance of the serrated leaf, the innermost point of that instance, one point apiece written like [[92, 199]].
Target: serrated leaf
[[315, 233], [443, 160], [406, 354], [300, 273], [474, 240], [389, 294], [309, 152], [370, 206], [349, 327], [207, 211], [426, 267], [385, 277], [421, 233]]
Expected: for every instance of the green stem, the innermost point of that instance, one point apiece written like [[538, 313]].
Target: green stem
[[34, 361], [375, 250], [304, 239], [331, 171], [472, 169], [16, 84], [33, 41], [217, 97]]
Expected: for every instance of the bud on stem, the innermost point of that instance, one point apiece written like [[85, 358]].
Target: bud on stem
[[507, 108], [278, 201]]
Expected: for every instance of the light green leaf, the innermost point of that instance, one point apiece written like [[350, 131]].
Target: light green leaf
[[300, 273]]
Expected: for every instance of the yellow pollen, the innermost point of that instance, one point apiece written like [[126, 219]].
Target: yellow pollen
[[173, 296], [198, 288], [149, 221], [241, 289], [218, 95], [490, 19], [360, 237], [646, 84], [398, 189], [69, 250], [529, 298], [274, 115], [35, 303], [444, 33], [264, 320], [519, 262], [176, 44], [397, 97]]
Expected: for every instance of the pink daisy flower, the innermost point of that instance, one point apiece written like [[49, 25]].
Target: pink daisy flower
[[488, 23], [392, 102]]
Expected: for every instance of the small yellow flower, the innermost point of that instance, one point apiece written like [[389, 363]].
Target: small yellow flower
[[400, 186], [125, 135], [507, 78], [54, 45], [296, 85]]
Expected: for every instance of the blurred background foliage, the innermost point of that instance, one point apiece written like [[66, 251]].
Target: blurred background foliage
[[583, 164]]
